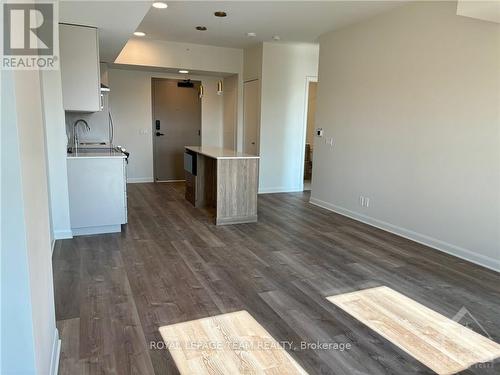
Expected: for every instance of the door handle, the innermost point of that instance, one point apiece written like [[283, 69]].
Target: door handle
[[158, 134]]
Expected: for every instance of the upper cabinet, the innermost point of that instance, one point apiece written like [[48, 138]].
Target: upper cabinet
[[79, 54]]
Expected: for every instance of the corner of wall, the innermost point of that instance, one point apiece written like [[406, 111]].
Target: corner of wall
[[56, 353]]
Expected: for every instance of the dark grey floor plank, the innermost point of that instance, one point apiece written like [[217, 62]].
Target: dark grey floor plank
[[171, 264]]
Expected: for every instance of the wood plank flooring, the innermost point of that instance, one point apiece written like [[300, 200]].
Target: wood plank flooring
[[172, 265], [227, 344], [440, 343]]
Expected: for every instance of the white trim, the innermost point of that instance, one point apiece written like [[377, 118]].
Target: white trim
[[102, 229], [139, 180], [482, 260], [282, 189], [309, 79], [63, 234], [56, 352]]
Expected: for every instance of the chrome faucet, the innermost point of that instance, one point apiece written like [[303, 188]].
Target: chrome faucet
[[75, 131]]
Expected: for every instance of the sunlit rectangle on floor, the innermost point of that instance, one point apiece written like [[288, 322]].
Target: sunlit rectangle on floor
[[232, 343], [441, 344]]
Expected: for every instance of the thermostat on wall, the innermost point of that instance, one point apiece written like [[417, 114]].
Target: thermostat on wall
[[319, 132]]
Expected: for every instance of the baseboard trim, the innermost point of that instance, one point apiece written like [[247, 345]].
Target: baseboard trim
[[62, 234], [86, 231], [434, 243], [56, 352], [236, 220], [280, 190], [139, 180]]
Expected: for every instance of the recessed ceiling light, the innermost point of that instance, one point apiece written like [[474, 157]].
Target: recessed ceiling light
[[160, 5], [182, 71], [276, 37], [201, 28], [251, 34], [220, 13], [139, 33]]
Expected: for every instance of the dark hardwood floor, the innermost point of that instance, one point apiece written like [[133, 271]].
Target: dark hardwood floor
[[171, 264]]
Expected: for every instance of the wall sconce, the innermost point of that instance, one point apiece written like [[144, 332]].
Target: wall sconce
[[201, 91], [220, 88]]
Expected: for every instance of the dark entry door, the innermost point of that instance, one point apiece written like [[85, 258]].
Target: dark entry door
[[176, 123]]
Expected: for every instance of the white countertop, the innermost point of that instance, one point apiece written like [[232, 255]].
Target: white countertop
[[220, 153], [95, 153]]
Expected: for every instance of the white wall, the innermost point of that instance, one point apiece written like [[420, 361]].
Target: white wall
[[17, 349], [412, 100], [130, 102], [56, 142], [285, 69], [29, 336]]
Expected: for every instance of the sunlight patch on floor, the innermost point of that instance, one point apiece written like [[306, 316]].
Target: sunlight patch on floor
[[232, 343], [440, 343]]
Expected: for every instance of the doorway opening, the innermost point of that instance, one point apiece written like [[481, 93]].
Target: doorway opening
[[176, 123], [311, 91]]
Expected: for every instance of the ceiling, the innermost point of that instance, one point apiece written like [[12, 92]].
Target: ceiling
[[116, 21], [293, 21]]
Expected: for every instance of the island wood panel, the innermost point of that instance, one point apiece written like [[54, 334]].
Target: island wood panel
[[441, 344], [232, 343], [237, 185]]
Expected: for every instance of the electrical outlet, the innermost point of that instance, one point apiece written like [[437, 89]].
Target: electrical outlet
[[364, 201]]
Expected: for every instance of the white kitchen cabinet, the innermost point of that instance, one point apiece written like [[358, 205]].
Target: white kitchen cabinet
[[79, 60], [97, 194]]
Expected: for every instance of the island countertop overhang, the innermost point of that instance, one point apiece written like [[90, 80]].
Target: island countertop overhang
[[220, 153]]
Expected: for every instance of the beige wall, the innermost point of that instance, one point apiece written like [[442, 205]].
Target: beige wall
[[230, 115], [411, 99], [130, 103], [285, 69], [155, 53], [252, 62], [195, 57], [311, 112]]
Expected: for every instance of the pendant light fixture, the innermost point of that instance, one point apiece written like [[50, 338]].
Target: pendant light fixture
[[220, 88]]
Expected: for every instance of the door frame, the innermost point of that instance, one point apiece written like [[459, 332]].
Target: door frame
[[243, 113], [302, 151], [153, 125]]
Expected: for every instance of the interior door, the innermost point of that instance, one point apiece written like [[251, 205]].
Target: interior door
[[176, 123], [251, 117]]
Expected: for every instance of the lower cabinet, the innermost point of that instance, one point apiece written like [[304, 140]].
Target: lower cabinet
[[190, 188], [97, 194]]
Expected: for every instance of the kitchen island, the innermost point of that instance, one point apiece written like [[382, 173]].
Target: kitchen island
[[97, 186], [224, 181]]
